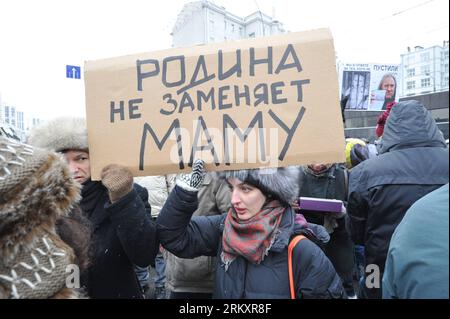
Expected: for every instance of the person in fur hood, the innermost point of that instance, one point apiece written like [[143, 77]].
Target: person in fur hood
[[123, 234], [36, 191], [251, 240]]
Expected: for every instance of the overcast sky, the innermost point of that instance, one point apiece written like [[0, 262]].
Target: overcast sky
[[39, 37]]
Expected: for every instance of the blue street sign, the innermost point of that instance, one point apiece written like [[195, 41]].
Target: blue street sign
[[73, 72]]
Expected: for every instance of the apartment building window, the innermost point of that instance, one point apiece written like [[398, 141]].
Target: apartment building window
[[425, 56], [13, 116], [232, 27], [410, 85], [241, 33], [211, 26], [425, 82], [410, 59], [20, 120], [410, 72], [425, 70], [7, 114]]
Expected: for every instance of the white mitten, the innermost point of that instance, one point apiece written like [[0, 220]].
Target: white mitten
[[192, 182]]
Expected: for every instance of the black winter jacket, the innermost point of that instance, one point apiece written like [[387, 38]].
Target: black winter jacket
[[413, 162], [188, 237], [123, 234]]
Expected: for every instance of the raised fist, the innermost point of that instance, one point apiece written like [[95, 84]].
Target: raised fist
[[194, 180], [118, 180]]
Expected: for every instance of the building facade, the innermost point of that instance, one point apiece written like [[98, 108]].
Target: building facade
[[423, 77], [204, 22], [14, 123], [362, 123], [425, 70]]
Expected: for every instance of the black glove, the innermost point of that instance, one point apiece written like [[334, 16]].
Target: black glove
[[193, 181]]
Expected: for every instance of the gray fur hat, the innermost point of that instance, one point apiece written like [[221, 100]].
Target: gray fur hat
[[281, 183], [60, 134]]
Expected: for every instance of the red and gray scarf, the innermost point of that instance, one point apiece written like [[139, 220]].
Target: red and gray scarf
[[252, 238]]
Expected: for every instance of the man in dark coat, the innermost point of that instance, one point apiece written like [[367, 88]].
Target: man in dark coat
[[123, 234], [413, 162]]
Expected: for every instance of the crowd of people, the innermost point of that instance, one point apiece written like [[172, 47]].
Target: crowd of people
[[228, 234]]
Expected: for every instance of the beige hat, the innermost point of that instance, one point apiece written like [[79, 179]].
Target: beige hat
[[59, 134], [35, 189]]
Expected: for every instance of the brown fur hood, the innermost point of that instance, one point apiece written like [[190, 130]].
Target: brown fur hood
[[35, 189]]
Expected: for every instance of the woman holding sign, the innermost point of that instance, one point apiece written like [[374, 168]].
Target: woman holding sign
[[251, 240], [123, 233]]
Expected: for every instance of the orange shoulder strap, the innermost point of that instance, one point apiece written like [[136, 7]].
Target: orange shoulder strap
[[291, 247]]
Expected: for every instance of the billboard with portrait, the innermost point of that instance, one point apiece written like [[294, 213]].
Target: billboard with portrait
[[368, 86]]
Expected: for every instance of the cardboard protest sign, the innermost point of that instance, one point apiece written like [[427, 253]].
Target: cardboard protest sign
[[364, 86], [265, 102]]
